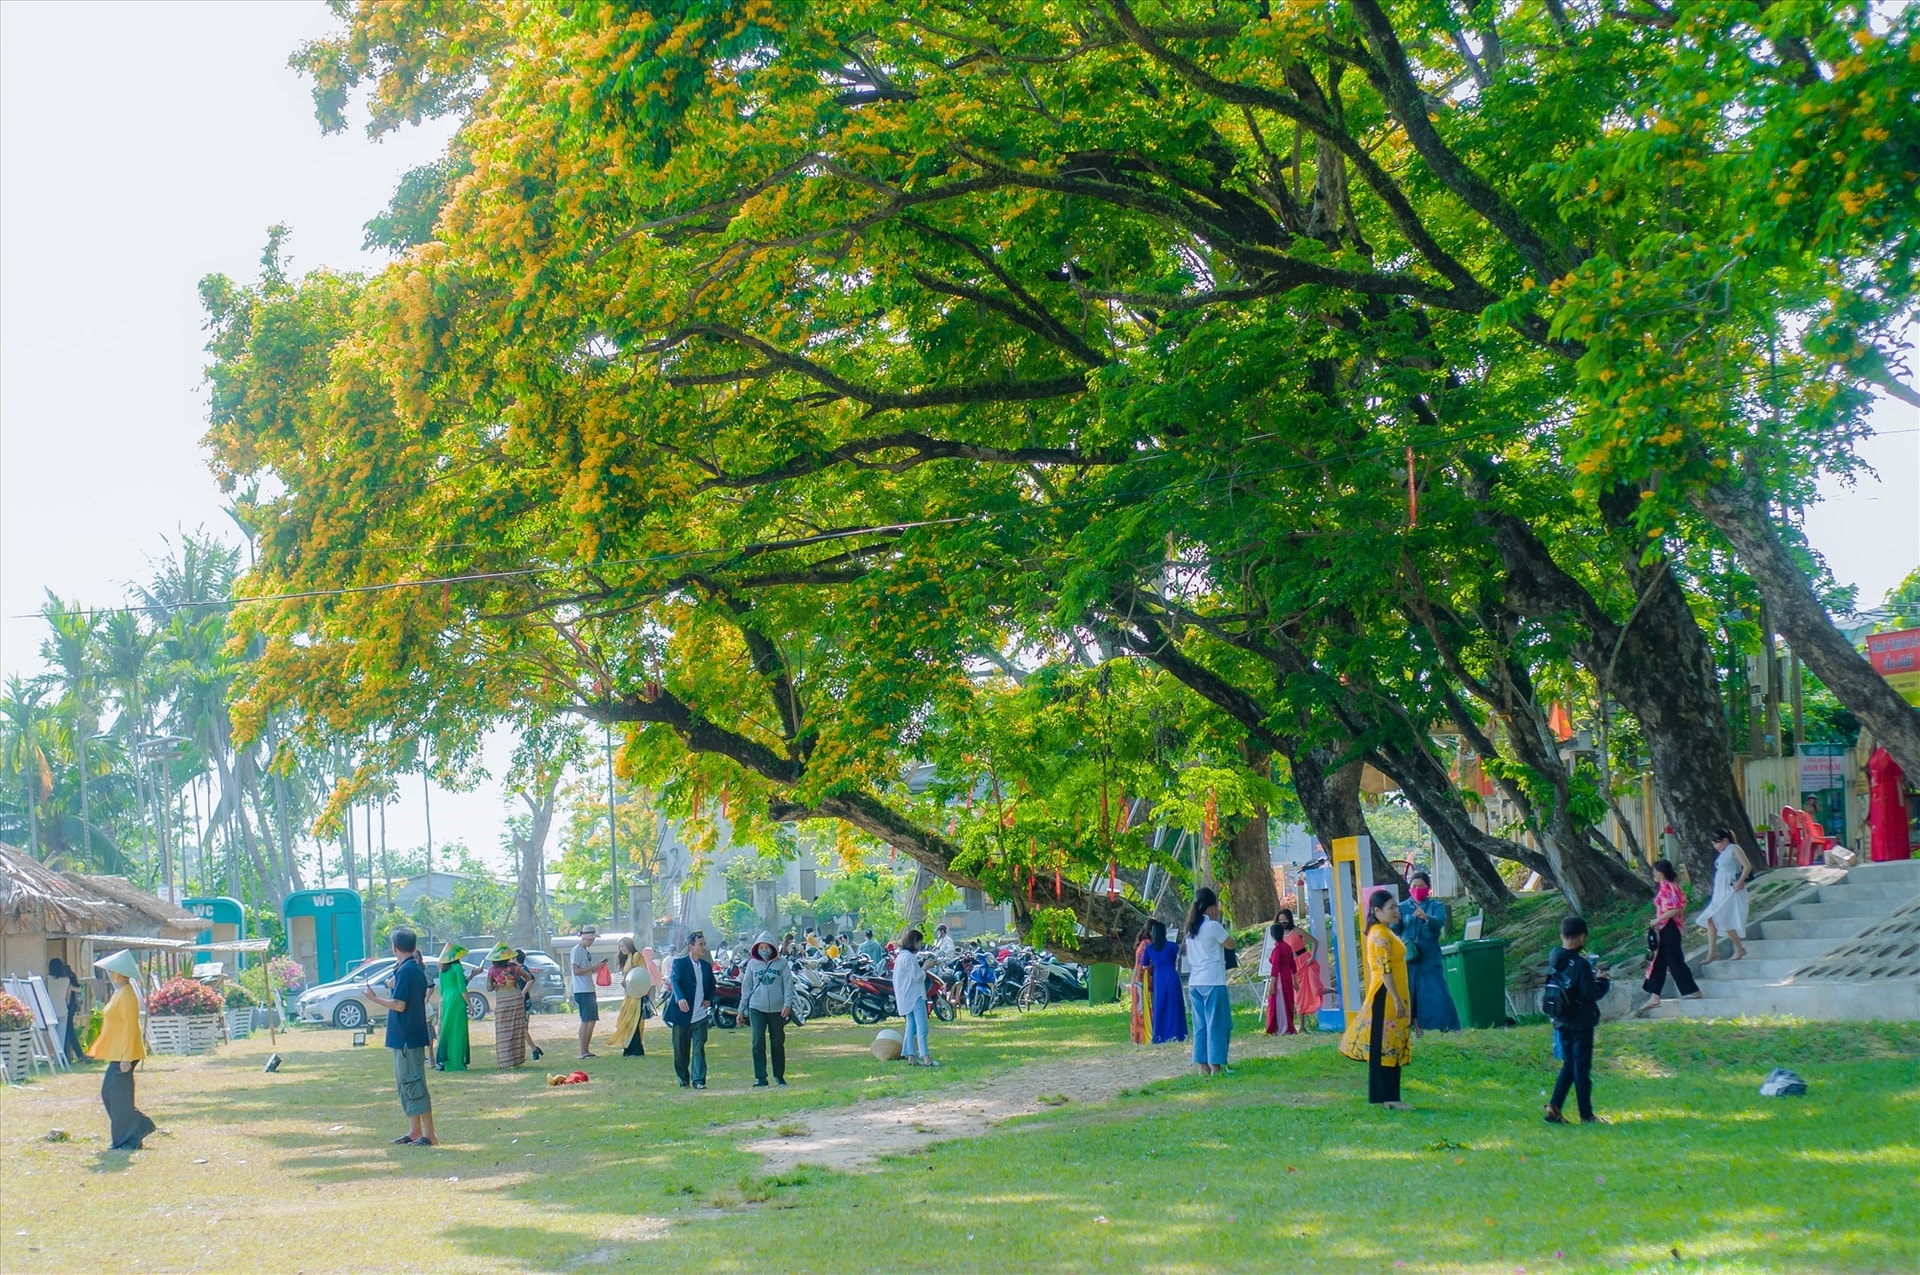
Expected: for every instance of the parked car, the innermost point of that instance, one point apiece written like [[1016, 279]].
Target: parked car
[[341, 1002], [549, 985]]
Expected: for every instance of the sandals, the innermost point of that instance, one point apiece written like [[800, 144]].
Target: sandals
[[1553, 1116]]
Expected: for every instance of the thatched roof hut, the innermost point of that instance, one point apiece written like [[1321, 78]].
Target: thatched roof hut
[[34, 899], [136, 912], [41, 911]]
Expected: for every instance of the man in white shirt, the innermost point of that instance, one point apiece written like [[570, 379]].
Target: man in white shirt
[[942, 943], [586, 996]]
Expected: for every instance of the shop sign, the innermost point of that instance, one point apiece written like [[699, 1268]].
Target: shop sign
[[1822, 766], [1896, 657]]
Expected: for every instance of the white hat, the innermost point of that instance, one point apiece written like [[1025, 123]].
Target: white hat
[[121, 962]]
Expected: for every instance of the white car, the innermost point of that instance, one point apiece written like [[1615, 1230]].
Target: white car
[[341, 1002]]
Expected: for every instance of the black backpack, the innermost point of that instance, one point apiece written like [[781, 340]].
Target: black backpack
[[1562, 1000]]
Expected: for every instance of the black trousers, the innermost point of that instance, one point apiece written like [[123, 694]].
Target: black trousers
[[1670, 958], [690, 1052], [1576, 1069], [768, 1025], [129, 1125], [1383, 1083]]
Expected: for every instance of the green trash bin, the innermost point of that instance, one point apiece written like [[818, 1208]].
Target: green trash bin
[[1476, 971], [1103, 983]]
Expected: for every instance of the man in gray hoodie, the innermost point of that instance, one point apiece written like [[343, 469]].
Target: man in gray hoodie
[[766, 984]]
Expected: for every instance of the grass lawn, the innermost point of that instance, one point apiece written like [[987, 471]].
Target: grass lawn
[[1279, 1166]]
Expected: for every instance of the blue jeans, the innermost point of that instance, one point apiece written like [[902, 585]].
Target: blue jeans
[[1212, 1024], [913, 1042]]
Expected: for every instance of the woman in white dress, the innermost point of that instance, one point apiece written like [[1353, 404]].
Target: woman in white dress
[[1726, 911]]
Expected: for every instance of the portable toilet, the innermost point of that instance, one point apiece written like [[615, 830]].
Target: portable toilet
[[226, 922], [324, 932]]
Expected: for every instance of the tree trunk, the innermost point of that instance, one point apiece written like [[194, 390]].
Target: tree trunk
[[1586, 875], [917, 895], [1430, 791], [1807, 626], [1660, 666], [532, 848], [1248, 874]]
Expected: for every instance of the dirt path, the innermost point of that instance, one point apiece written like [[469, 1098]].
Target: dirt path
[[854, 1138]]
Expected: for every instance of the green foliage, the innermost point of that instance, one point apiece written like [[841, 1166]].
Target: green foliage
[[731, 918], [1903, 603], [870, 894]]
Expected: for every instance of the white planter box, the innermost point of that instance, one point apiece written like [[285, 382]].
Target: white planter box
[[239, 1024], [184, 1034], [16, 1050]]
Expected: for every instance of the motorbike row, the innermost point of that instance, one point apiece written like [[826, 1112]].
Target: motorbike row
[[975, 976]]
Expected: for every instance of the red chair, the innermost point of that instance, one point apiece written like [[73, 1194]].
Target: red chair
[[1807, 838]]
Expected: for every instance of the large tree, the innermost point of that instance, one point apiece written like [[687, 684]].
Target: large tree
[[746, 371]]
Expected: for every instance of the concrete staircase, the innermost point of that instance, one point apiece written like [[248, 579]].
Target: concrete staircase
[[1848, 950]]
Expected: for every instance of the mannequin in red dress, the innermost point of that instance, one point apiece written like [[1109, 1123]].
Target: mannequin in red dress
[[1886, 809]]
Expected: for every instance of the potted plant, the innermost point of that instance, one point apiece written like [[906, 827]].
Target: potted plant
[[239, 1011], [184, 1016], [16, 1035]]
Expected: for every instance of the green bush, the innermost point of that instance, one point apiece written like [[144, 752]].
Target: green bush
[[238, 997]]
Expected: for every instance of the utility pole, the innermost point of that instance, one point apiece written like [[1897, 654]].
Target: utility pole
[[426, 795], [613, 832], [1795, 691]]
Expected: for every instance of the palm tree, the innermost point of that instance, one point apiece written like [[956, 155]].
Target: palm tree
[[127, 669], [70, 651], [25, 722]]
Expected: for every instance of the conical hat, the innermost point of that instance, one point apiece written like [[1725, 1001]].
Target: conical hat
[[451, 953], [500, 952], [121, 962]]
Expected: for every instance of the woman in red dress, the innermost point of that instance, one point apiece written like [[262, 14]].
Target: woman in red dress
[[1308, 987], [1280, 976]]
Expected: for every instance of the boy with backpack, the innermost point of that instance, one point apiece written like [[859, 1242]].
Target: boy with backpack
[[1572, 1000]]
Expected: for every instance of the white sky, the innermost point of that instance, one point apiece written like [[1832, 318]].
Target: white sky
[[145, 145]]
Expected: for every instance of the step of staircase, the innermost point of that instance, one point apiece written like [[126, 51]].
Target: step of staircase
[[1892, 888], [1795, 951], [1840, 909], [1830, 932], [1750, 969], [1903, 871], [1889, 1000]]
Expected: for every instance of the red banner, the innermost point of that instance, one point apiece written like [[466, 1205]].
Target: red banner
[[1894, 652]]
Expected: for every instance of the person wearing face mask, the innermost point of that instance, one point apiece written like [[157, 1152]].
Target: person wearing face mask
[[1423, 923]]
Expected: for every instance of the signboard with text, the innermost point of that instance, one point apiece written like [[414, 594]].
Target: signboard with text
[[1822, 766], [1896, 657]]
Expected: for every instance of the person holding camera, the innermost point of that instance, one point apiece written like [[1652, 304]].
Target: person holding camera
[[1572, 1000], [407, 1037]]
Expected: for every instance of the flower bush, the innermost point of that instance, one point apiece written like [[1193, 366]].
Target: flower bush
[[238, 997], [288, 974], [14, 1015], [184, 996]]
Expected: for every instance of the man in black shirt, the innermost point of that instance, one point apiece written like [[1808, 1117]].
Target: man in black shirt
[[408, 1039]]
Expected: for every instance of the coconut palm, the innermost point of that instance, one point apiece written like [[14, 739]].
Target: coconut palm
[[70, 652], [26, 722]]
